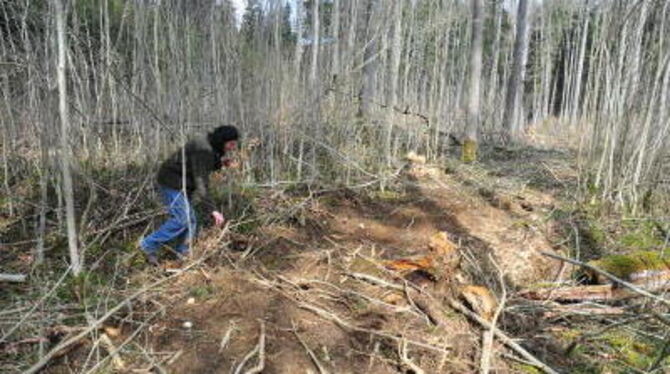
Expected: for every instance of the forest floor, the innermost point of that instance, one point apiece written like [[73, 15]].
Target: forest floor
[[370, 281], [317, 284]]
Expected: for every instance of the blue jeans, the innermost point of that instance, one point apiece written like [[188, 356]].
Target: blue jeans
[[180, 227]]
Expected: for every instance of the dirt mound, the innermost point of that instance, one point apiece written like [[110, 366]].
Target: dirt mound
[[329, 292], [508, 227]]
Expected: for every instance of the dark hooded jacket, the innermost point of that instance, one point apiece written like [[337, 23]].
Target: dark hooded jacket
[[203, 156]]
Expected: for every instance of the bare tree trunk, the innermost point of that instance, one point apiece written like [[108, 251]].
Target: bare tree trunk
[[580, 64], [335, 69], [396, 50], [297, 55], [493, 94], [351, 35], [469, 150], [368, 86], [315, 43], [514, 95], [65, 150]]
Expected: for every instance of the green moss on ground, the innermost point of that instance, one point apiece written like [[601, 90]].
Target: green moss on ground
[[469, 151], [624, 265]]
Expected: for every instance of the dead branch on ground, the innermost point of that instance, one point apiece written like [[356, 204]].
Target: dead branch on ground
[[612, 277], [258, 349], [347, 326], [309, 351], [95, 324], [405, 360], [487, 336], [227, 336], [476, 318]]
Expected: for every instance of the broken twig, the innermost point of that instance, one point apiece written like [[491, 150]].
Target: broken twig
[[226, 337]]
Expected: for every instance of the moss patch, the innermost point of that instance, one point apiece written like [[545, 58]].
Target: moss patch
[[624, 265], [641, 236], [386, 195], [469, 151], [632, 351], [526, 369], [202, 292]]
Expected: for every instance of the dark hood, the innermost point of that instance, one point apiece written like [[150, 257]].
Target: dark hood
[[220, 136]]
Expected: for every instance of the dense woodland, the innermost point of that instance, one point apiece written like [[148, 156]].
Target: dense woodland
[[328, 94]]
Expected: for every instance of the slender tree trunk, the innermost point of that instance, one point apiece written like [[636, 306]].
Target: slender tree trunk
[[65, 149], [349, 61], [396, 50], [335, 33], [580, 64], [469, 150], [297, 54], [514, 95], [315, 43], [368, 85], [493, 94]]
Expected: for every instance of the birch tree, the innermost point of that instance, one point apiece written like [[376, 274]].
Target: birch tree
[[469, 150], [65, 148]]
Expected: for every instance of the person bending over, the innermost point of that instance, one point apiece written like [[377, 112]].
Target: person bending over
[[183, 174]]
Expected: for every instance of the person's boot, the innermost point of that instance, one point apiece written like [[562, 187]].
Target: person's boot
[[182, 258], [149, 257], [152, 259]]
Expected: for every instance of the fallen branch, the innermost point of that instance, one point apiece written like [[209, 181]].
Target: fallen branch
[[44, 297], [503, 338], [12, 278], [405, 360], [347, 326], [113, 352], [598, 292], [97, 323], [430, 307], [374, 280], [612, 277], [261, 352], [310, 353], [13, 346], [461, 308], [226, 337], [258, 349], [584, 309], [487, 336]]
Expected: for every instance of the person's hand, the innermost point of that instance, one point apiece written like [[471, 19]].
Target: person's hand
[[218, 218]]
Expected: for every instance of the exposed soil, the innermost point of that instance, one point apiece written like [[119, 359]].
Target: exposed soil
[[299, 268]]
